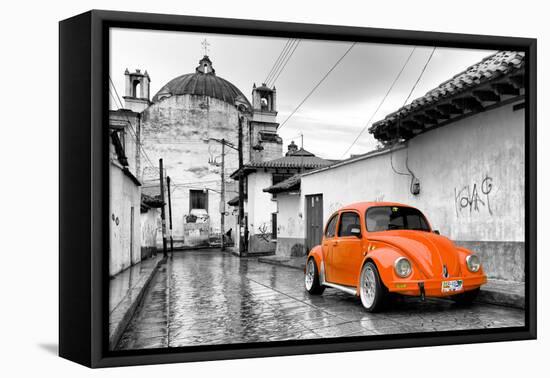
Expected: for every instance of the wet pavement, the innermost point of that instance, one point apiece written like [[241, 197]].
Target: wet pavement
[[209, 297]]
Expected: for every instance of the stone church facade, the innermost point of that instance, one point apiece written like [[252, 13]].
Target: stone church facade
[[183, 124]]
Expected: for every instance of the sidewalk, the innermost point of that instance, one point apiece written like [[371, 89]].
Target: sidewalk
[[125, 292], [503, 293]]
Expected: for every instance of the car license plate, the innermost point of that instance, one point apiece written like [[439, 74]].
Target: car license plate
[[447, 286]]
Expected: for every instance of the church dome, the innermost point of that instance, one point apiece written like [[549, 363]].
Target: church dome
[[204, 82]]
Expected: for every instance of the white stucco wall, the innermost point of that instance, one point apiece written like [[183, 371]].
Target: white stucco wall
[[125, 240], [150, 228], [290, 217], [260, 204], [471, 174]]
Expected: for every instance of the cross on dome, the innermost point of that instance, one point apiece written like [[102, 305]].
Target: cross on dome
[[205, 46]]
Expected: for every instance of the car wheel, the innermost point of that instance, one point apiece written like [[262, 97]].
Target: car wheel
[[311, 278], [372, 291], [466, 298]]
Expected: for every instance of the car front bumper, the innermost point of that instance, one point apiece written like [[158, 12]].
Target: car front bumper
[[433, 287]]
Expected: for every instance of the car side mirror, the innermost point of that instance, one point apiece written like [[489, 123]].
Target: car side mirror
[[355, 231], [437, 232]]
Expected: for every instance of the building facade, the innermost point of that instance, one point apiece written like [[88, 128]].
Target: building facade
[[124, 198], [456, 153], [191, 123], [261, 178]]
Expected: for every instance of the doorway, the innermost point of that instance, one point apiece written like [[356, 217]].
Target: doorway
[[314, 219]]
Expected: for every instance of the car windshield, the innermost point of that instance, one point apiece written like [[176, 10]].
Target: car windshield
[[385, 218]]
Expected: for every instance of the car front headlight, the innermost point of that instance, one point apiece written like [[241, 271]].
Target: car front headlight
[[473, 263], [402, 267]]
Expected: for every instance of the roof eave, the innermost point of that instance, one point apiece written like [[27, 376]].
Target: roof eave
[[468, 99]]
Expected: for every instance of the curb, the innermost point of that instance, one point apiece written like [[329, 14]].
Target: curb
[[494, 297], [121, 327], [501, 298], [282, 263]]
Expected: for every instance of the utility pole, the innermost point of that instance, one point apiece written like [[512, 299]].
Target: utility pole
[[224, 144], [241, 188], [170, 215], [222, 203], [162, 211]]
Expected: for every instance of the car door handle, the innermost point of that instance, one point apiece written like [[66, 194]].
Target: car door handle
[[335, 242]]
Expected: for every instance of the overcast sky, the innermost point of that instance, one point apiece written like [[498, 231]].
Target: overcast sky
[[336, 112]]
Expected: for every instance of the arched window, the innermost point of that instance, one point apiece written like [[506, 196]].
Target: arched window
[[206, 68], [136, 90], [263, 103]]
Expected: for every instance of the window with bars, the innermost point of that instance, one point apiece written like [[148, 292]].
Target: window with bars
[[198, 199]]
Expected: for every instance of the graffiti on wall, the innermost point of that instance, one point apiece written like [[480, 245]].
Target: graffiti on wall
[[264, 232], [379, 198], [474, 197]]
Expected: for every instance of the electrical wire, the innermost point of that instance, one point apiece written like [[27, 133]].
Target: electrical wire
[[277, 61], [410, 172], [285, 63], [131, 128], [318, 84], [381, 102]]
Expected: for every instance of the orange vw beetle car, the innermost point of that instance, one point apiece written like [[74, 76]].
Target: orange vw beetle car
[[370, 249]]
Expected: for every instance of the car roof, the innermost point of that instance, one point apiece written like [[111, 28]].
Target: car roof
[[363, 206]]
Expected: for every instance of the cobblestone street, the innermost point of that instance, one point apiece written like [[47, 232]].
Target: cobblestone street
[[209, 297]]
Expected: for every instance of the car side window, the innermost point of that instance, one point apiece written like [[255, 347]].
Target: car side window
[[348, 221], [331, 227]]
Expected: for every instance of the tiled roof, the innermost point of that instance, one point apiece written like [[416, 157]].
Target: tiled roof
[[293, 161], [286, 162], [291, 183], [491, 74]]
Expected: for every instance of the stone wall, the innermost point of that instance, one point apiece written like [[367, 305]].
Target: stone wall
[[471, 175], [177, 129]]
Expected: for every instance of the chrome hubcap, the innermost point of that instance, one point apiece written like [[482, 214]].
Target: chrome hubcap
[[368, 287], [310, 274]]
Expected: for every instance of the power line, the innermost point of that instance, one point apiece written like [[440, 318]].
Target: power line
[[277, 61], [318, 84], [282, 64], [410, 173], [286, 62], [381, 102], [420, 76]]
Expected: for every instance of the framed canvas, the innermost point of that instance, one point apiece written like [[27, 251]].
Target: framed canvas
[[236, 188]]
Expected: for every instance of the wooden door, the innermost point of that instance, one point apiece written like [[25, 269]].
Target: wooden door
[[314, 219]]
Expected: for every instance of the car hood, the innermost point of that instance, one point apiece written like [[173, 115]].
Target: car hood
[[427, 251]]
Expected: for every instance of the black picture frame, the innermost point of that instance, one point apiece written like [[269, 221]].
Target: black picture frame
[[83, 181]]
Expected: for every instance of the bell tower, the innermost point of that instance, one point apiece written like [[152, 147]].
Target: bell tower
[[266, 143], [136, 94]]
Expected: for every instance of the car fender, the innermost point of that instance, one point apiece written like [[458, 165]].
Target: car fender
[[317, 254], [383, 258]]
